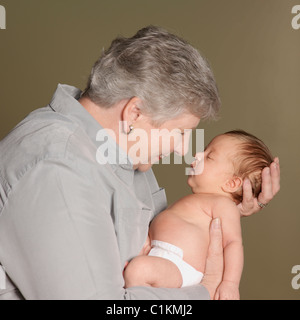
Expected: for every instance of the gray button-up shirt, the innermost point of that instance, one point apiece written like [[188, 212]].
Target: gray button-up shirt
[[68, 223]]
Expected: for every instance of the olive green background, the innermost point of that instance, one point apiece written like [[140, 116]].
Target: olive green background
[[255, 55]]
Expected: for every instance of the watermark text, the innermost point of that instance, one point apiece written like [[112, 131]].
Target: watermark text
[[296, 279], [296, 19], [2, 17], [148, 147]]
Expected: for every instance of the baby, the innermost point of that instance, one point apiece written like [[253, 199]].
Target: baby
[[179, 236]]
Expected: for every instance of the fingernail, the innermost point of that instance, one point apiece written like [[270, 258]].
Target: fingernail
[[216, 223]]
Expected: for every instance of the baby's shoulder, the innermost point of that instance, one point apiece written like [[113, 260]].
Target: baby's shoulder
[[223, 200], [222, 205]]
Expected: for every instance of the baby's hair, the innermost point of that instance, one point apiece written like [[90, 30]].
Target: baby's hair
[[251, 158]]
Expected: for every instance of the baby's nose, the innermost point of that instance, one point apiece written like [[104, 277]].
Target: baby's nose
[[198, 156], [198, 164]]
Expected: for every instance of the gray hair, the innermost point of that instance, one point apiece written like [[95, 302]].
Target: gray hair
[[164, 71]]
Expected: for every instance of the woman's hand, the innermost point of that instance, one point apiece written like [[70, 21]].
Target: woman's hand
[[270, 186], [215, 260]]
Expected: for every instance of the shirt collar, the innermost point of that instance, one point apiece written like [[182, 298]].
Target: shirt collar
[[65, 101]]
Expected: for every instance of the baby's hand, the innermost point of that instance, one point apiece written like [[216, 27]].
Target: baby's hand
[[228, 291]]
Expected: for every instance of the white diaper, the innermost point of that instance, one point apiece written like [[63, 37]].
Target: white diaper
[[190, 276]]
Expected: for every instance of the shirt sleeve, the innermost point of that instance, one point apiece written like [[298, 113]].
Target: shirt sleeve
[[59, 240]]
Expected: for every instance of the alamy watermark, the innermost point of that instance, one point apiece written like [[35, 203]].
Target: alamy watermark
[[149, 147], [296, 18], [296, 278], [2, 278], [2, 17]]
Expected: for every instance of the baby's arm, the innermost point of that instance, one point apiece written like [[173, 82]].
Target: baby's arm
[[233, 249]]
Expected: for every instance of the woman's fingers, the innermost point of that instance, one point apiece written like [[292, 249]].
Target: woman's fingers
[[266, 194], [215, 260], [270, 182], [275, 176], [270, 187], [249, 204], [216, 240]]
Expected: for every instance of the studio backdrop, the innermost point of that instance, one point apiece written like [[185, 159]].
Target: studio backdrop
[[253, 47]]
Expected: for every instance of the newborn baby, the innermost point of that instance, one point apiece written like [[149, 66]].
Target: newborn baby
[[179, 236]]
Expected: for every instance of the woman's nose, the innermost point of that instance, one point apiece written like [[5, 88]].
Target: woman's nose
[[182, 146], [180, 149]]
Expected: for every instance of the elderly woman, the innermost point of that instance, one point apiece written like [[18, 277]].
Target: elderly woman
[[69, 221]]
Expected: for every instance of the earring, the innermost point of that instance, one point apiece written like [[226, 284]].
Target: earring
[[131, 128]]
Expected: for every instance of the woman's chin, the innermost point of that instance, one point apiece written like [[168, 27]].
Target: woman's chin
[[144, 167]]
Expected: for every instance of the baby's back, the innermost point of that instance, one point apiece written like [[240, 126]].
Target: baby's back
[[185, 224]]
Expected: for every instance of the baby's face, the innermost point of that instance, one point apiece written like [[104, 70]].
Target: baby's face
[[213, 168]]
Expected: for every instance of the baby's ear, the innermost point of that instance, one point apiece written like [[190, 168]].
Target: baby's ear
[[232, 185]]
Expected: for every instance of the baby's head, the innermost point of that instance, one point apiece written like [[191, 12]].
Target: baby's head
[[252, 156], [228, 160]]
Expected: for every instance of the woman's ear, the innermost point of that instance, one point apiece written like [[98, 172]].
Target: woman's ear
[[131, 111], [232, 185]]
